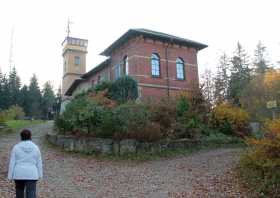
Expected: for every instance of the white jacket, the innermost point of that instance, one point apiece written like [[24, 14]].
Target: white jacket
[[25, 162]]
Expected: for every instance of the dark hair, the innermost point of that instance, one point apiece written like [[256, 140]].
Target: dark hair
[[25, 134]]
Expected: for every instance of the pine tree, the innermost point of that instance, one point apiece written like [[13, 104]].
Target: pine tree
[[14, 88], [24, 100], [34, 97], [221, 80], [260, 61], [48, 100], [1, 90], [58, 101], [5, 93], [240, 74]]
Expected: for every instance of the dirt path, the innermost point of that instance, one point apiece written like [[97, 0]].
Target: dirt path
[[66, 175]]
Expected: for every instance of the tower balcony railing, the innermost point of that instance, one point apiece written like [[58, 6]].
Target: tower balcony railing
[[75, 41]]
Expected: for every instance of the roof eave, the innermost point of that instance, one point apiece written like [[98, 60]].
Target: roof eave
[[115, 44], [133, 32], [73, 86], [96, 69]]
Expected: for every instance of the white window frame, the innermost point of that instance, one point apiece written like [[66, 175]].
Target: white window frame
[[155, 65], [180, 69]]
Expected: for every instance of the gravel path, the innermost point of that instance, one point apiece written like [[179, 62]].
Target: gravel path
[[66, 175]]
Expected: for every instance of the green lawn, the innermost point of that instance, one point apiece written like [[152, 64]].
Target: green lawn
[[18, 124]]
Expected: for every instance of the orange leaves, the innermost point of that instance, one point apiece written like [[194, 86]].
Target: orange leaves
[[271, 77], [260, 165], [232, 114], [274, 126], [101, 99], [269, 146], [231, 120]]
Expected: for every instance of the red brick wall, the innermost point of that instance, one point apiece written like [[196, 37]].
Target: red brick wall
[[139, 50]]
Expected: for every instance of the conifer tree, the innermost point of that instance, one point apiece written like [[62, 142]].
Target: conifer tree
[[34, 97], [221, 80], [4, 96], [240, 74], [24, 100], [14, 88], [260, 62], [48, 100]]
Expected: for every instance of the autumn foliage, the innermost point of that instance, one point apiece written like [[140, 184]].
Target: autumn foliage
[[262, 88], [271, 77], [262, 161], [230, 120], [101, 98]]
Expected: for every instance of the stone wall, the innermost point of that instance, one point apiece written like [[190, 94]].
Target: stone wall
[[109, 146]]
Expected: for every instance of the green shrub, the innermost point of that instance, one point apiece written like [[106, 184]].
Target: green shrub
[[107, 126], [106, 85], [63, 125], [164, 113], [82, 94], [230, 120], [2, 119], [191, 120], [15, 112], [186, 130], [103, 86], [182, 106], [150, 133], [131, 117], [124, 89], [81, 115], [261, 163], [133, 120]]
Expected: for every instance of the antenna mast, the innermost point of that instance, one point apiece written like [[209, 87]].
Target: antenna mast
[[68, 27], [11, 49]]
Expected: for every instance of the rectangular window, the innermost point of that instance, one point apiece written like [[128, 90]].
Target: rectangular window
[[155, 68], [77, 60], [180, 72], [117, 71]]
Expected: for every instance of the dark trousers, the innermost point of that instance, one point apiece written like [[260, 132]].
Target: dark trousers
[[29, 186]]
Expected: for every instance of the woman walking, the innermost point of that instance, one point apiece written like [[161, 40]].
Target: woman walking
[[25, 166]]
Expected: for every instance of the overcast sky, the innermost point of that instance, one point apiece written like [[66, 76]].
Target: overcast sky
[[40, 27]]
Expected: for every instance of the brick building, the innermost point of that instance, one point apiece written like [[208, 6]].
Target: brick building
[[161, 63]]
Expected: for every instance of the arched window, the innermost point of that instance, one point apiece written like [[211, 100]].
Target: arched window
[[155, 65], [180, 69]]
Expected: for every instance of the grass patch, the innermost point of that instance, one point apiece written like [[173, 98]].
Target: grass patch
[[146, 156], [19, 124]]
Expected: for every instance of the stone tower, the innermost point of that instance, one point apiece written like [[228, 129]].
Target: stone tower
[[74, 61]]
